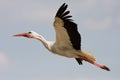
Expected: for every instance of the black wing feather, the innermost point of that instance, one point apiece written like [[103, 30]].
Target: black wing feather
[[70, 26], [61, 10], [66, 17], [66, 13]]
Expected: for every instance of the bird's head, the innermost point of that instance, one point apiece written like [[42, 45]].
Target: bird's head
[[30, 34]]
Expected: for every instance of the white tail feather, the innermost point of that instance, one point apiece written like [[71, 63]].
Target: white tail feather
[[87, 55]]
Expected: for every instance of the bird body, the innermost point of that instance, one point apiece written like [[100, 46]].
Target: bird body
[[64, 49], [68, 39]]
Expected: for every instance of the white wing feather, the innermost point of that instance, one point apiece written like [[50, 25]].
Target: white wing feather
[[61, 33]]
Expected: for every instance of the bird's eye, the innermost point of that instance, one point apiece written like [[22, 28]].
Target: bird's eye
[[29, 32]]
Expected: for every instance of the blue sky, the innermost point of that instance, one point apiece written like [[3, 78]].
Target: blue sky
[[27, 59]]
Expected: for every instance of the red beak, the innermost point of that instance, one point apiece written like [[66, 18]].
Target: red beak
[[22, 34]]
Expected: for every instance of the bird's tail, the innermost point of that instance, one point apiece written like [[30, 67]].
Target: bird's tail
[[91, 59], [87, 56]]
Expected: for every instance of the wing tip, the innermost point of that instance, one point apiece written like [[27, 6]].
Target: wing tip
[[62, 13], [61, 10]]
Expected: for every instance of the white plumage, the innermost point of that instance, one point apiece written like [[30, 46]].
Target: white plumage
[[68, 39]]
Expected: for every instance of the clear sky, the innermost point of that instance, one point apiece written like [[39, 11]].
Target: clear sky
[[27, 59]]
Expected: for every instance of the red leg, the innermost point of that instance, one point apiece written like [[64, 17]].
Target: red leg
[[101, 66], [94, 63]]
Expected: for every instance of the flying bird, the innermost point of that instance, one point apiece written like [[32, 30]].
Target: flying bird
[[68, 39]]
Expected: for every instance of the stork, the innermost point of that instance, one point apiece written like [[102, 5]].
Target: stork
[[68, 39]]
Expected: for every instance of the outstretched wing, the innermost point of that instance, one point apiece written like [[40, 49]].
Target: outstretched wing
[[66, 29]]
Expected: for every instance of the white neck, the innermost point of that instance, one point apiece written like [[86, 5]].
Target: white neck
[[44, 41]]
